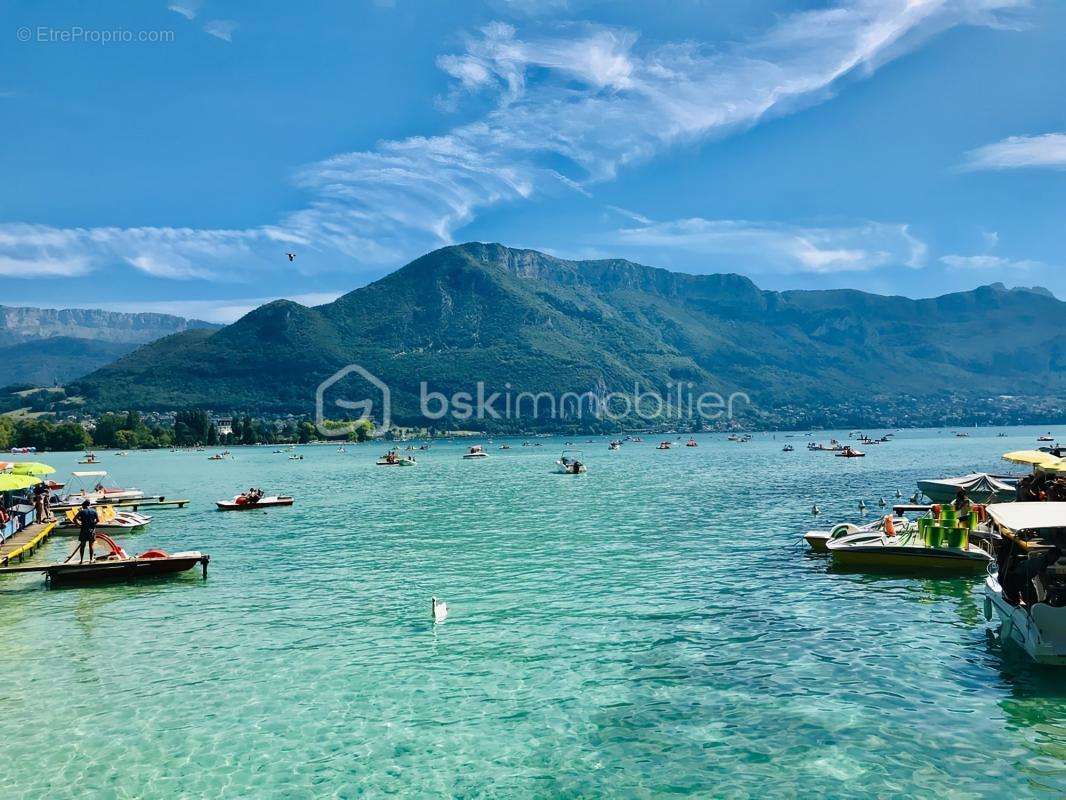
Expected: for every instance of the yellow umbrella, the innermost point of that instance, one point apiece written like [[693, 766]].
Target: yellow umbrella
[[1034, 458], [31, 468], [11, 483]]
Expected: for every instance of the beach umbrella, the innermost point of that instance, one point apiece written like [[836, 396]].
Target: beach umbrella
[[11, 483], [1034, 458], [31, 468]]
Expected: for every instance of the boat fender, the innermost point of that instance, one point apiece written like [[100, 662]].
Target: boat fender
[[890, 527], [988, 608], [154, 554]]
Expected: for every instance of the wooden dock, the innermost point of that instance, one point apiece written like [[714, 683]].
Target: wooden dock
[[24, 544]]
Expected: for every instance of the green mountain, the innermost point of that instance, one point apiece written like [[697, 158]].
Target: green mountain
[[45, 346], [520, 320]]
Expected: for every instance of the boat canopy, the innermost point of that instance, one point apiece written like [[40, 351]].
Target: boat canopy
[[1029, 516], [1035, 458], [977, 482], [99, 473]]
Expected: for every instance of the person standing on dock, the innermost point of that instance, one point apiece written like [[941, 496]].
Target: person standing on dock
[[87, 519]]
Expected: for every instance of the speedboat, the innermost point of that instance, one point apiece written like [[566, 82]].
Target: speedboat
[[930, 545], [476, 451], [570, 463], [110, 519], [1026, 588], [1046, 437], [243, 502], [980, 487]]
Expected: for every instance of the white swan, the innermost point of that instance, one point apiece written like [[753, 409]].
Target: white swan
[[440, 610]]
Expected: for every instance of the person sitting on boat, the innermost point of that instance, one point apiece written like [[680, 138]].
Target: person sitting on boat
[[962, 501], [87, 519]]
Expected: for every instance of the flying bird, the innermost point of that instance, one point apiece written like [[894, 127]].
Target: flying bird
[[292, 256]]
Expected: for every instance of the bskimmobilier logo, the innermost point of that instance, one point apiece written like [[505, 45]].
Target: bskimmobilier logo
[[364, 407]]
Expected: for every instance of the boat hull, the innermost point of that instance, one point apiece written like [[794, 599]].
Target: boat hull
[[910, 559], [1019, 628], [224, 505], [124, 570]]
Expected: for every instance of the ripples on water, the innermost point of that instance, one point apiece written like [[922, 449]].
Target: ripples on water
[[650, 628]]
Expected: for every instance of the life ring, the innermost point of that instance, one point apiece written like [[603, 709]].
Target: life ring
[[154, 554]]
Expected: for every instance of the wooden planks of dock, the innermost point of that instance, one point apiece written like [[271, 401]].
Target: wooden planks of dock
[[24, 543]]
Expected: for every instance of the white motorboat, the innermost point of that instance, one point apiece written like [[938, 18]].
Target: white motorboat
[[476, 451], [99, 493], [1027, 587], [571, 463], [980, 487]]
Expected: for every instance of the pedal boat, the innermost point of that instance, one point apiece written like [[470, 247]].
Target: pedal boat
[[241, 503]]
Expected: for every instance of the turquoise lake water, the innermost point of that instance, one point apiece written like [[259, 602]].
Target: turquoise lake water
[[652, 628]]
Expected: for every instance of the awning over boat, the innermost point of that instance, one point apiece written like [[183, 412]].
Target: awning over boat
[[1032, 457], [94, 474], [976, 482], [1029, 516]]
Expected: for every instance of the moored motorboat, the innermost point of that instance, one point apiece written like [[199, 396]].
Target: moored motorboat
[[930, 545], [116, 565], [98, 493], [980, 487], [1027, 587]]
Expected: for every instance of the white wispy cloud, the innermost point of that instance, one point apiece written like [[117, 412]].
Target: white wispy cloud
[[187, 8], [1047, 150], [570, 109], [221, 29], [988, 262], [747, 246]]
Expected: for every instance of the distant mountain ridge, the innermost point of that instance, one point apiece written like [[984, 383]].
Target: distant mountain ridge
[[45, 346], [485, 312]]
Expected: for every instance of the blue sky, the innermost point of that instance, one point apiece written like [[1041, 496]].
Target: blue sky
[[913, 147]]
